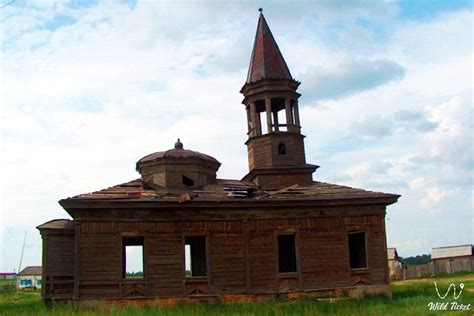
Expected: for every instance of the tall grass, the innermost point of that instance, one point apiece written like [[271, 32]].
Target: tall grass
[[7, 282], [409, 298]]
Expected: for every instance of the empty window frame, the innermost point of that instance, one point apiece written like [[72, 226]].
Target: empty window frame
[[133, 258], [357, 250], [281, 149], [187, 181], [286, 254], [195, 256]]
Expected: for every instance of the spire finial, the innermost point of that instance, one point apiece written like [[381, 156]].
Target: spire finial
[[260, 10], [178, 145]]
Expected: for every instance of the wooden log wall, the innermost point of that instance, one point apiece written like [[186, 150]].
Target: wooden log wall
[[58, 266], [241, 252], [165, 264], [99, 262]]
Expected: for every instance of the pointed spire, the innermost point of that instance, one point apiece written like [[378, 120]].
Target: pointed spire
[[267, 61]]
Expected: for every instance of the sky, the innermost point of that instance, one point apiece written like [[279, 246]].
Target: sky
[[89, 87]]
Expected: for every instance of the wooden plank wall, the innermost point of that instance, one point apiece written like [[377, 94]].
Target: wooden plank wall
[[262, 263], [242, 255], [165, 266], [58, 252], [99, 260], [324, 253], [227, 263]]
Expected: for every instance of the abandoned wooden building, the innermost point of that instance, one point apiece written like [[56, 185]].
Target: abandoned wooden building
[[275, 232], [396, 268], [453, 259]]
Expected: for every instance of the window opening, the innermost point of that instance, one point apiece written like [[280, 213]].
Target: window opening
[[195, 256], [286, 253], [357, 250], [281, 149], [133, 258], [188, 181]]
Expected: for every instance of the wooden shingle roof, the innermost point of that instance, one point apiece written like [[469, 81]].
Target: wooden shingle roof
[[266, 62], [178, 153], [225, 189]]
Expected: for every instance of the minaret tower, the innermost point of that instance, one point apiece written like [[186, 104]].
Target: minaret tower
[[275, 144]]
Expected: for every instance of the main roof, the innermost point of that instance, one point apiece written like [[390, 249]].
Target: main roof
[[234, 190], [266, 62]]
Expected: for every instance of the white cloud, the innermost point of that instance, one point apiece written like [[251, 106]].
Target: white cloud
[[350, 77], [451, 142], [433, 196], [416, 245], [416, 183], [374, 126]]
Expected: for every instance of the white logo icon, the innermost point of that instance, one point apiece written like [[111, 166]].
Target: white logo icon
[[452, 285]]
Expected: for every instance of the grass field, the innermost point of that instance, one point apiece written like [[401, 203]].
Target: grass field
[[409, 298], [7, 282]]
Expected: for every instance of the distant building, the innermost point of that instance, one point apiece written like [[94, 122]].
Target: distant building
[[453, 259], [29, 277], [395, 266], [7, 275]]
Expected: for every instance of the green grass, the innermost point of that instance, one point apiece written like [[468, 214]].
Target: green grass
[[409, 298], [7, 282]]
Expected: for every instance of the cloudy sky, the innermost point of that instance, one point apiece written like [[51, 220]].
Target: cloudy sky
[[88, 88]]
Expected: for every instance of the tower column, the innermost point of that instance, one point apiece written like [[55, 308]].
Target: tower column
[[275, 121], [289, 115], [297, 114], [254, 119], [249, 121], [268, 109], [258, 124]]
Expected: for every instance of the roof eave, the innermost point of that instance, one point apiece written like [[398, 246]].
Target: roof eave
[[80, 204]]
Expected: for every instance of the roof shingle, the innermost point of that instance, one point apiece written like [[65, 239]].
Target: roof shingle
[[223, 189], [266, 62]]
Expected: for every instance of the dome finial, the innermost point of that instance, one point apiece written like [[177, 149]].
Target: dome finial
[[178, 145], [260, 10]]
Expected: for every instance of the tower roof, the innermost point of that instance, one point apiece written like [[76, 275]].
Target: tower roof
[[267, 61]]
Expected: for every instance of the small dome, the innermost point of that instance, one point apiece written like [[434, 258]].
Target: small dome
[[177, 152], [177, 167]]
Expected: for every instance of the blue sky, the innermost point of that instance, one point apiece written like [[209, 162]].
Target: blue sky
[[88, 88]]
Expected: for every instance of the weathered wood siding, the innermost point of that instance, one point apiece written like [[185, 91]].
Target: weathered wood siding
[[324, 253], [99, 251], [164, 268], [262, 261], [452, 265], [242, 254], [58, 266], [227, 262]]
